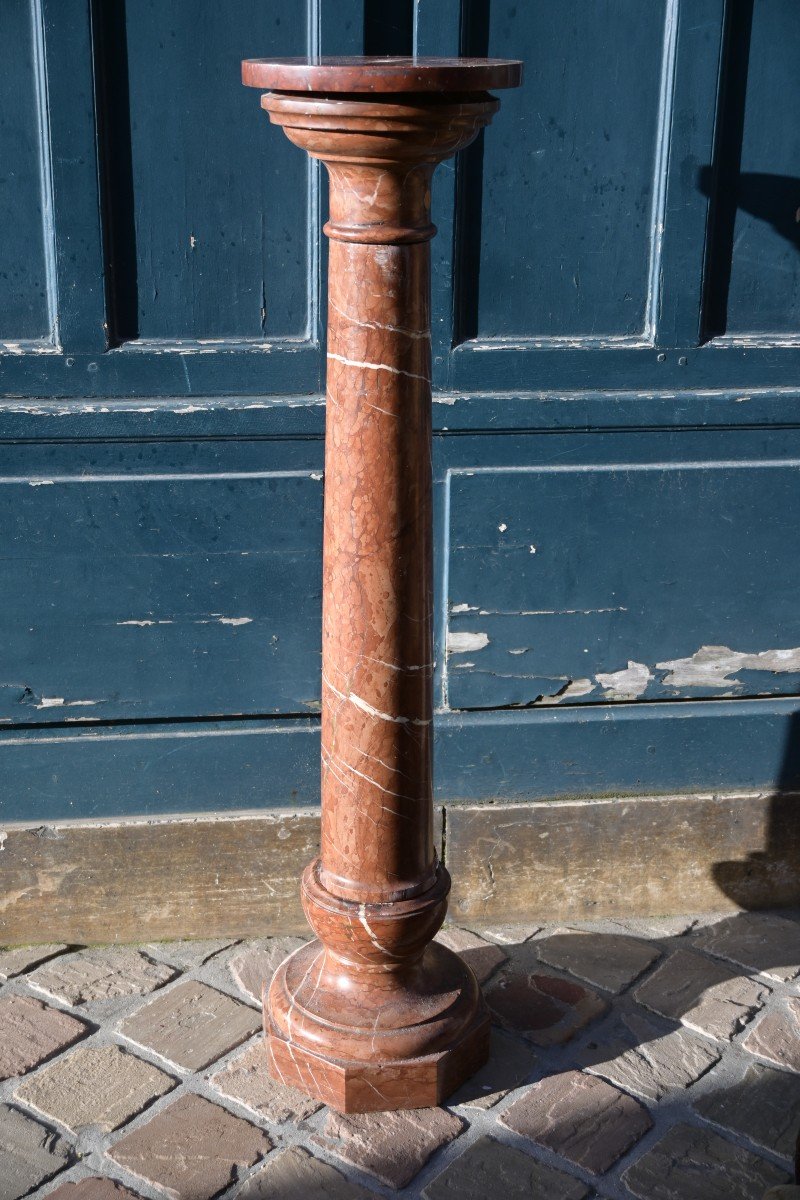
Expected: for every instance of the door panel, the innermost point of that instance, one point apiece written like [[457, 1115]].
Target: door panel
[[593, 582], [186, 233], [560, 245], [204, 248], [764, 290], [161, 582]]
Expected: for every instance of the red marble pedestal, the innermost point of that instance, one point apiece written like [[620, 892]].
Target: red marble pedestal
[[373, 1014]]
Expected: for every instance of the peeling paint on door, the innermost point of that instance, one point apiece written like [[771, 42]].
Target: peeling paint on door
[[570, 691], [628, 684], [466, 643], [713, 666]]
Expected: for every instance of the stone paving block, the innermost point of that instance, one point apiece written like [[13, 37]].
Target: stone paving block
[[191, 1025], [607, 960], [655, 927], [254, 964], [481, 956], [509, 935], [648, 1062], [580, 1117], [189, 954], [490, 1169], [698, 1164], [96, 1085], [192, 1149], [29, 1154], [392, 1146], [758, 941], [764, 1106], [247, 1079], [777, 1037], [95, 1188], [703, 994], [294, 1174], [16, 960], [544, 1008], [510, 1063], [31, 1031], [101, 974]]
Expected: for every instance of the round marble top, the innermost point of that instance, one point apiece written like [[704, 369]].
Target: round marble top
[[365, 75]]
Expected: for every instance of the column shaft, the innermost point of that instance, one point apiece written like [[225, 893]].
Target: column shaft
[[377, 817]]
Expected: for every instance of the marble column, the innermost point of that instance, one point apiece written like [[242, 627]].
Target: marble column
[[373, 1014]]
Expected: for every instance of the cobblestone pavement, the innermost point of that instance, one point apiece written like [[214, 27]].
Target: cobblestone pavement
[[651, 1059]]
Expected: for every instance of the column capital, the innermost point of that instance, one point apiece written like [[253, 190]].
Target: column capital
[[380, 126]]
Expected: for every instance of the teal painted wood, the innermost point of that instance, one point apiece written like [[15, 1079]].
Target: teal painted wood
[[168, 579], [168, 277], [222, 259], [693, 60], [182, 427], [703, 46], [204, 555], [24, 250], [763, 297], [151, 369], [304, 415], [584, 569], [69, 145], [608, 750], [160, 768], [558, 203]]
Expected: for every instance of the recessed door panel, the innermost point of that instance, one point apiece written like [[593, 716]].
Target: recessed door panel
[[589, 583]]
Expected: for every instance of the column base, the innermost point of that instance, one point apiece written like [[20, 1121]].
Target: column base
[[410, 1044]]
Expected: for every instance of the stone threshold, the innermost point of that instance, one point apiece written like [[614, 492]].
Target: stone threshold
[[237, 874]]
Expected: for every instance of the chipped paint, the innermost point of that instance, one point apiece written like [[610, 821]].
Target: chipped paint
[[466, 642], [28, 347], [546, 612], [627, 684], [463, 608], [709, 667], [148, 621], [713, 666], [219, 619], [144, 622], [571, 689]]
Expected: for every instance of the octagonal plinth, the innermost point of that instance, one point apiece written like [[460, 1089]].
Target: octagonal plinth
[[385, 1076], [372, 1015]]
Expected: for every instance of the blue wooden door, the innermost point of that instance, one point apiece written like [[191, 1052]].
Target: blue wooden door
[[616, 307], [618, 301]]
